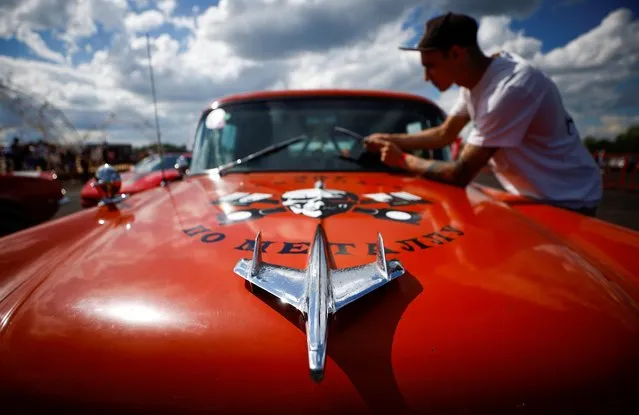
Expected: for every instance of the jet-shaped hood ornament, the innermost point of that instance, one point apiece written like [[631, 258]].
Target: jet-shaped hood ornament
[[318, 290]]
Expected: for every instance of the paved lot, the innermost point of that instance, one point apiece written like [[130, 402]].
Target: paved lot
[[618, 206], [73, 193]]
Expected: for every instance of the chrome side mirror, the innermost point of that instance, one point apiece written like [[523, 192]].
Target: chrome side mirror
[[182, 166], [108, 183]]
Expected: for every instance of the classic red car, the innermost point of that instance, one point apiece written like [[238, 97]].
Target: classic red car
[[146, 174], [292, 272], [28, 198]]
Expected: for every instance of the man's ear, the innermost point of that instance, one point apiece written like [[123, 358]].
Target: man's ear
[[457, 53], [453, 53]]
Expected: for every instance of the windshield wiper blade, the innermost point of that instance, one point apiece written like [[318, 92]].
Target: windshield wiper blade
[[348, 132], [260, 153]]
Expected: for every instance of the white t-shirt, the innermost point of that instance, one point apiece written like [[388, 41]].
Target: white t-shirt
[[517, 108]]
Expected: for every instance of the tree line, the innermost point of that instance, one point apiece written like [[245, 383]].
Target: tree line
[[166, 148], [627, 142]]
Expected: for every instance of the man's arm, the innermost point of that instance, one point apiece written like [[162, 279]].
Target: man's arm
[[435, 137], [458, 173]]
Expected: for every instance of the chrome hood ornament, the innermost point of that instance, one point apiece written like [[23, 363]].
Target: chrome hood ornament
[[108, 183], [182, 166], [318, 290]]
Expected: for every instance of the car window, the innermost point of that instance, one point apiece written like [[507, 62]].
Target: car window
[[155, 163], [169, 161], [235, 130], [146, 165]]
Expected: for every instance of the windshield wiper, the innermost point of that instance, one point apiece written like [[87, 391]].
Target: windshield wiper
[[260, 153]]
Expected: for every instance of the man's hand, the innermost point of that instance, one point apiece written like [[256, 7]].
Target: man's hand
[[389, 152], [375, 142], [392, 155]]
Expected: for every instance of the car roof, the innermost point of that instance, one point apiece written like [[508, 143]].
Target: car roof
[[308, 93], [170, 154]]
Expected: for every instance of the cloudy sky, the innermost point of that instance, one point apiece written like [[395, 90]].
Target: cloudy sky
[[88, 59]]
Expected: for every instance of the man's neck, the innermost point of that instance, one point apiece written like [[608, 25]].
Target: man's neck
[[477, 67]]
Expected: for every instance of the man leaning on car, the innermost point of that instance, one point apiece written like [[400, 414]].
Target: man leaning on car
[[520, 124]]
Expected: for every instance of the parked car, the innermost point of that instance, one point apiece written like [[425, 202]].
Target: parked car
[[292, 272], [28, 198], [144, 175]]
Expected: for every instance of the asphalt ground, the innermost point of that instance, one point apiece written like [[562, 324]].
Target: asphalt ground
[[620, 207], [73, 194]]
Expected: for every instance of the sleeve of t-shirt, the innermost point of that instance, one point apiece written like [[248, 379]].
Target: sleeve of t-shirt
[[507, 118], [461, 105]]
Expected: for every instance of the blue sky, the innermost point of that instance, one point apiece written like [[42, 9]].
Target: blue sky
[[87, 57], [557, 23]]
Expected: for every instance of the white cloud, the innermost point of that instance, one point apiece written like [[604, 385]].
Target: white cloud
[[598, 71], [108, 12], [141, 3], [371, 63], [611, 126], [260, 29], [37, 45], [495, 35], [186, 22], [167, 6], [75, 19], [615, 39], [143, 22]]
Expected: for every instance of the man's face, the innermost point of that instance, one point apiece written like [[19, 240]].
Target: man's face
[[440, 68]]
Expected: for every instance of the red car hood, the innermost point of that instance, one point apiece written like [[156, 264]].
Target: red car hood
[[140, 308]]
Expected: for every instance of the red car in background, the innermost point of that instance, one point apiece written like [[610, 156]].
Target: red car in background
[[145, 175], [28, 198]]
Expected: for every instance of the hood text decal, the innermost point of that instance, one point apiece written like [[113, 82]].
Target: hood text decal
[[443, 236]]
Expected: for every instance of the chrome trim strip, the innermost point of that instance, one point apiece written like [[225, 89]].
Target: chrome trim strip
[[319, 296]]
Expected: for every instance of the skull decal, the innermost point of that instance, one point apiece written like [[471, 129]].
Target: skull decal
[[318, 203]]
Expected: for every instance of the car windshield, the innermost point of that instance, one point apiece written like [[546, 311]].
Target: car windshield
[[155, 163], [236, 130]]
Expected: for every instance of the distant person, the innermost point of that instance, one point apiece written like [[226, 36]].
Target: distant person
[[84, 165], [5, 159], [601, 159], [40, 155], [17, 155], [69, 162], [29, 157], [520, 124]]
